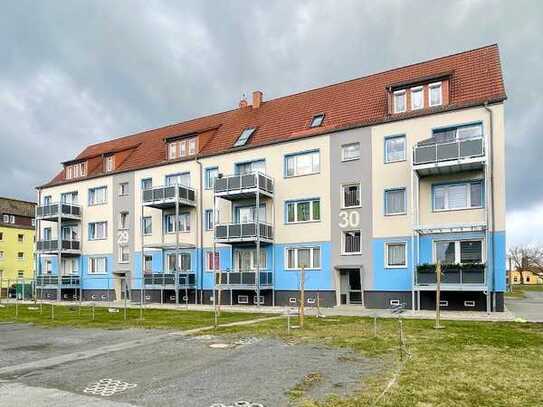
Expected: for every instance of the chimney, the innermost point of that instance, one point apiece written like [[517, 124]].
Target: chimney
[[243, 103], [257, 99]]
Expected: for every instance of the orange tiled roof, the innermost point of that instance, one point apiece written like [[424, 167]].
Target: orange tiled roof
[[475, 78]]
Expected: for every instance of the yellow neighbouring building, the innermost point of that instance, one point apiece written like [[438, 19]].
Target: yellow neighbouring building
[[527, 278], [16, 241]]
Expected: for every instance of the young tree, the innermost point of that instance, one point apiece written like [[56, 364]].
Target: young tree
[[527, 259]]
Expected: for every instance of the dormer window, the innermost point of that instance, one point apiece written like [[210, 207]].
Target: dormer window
[[435, 94], [399, 101], [317, 120], [417, 100], [244, 136], [76, 170], [181, 148], [109, 164]]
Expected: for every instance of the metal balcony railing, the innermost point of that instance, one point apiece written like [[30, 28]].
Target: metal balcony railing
[[52, 245], [429, 152], [164, 194], [243, 231], [168, 279], [65, 281], [452, 274], [244, 278], [242, 182], [54, 210]]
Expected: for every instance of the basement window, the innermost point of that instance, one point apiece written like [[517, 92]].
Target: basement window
[[317, 120], [469, 304], [244, 136], [243, 299]]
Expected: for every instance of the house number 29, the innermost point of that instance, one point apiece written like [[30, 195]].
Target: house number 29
[[349, 219]]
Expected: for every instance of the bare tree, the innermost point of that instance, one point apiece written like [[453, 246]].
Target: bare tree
[[527, 259]]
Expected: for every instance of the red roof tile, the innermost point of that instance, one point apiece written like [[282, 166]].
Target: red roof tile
[[475, 78]]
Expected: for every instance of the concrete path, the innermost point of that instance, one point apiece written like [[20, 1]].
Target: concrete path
[[529, 308]]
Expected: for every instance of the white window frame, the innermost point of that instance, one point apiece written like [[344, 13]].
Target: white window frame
[[209, 220], [467, 185], [343, 241], [145, 257], [252, 267], [245, 299], [180, 256], [123, 188], [110, 160], [124, 217], [5, 218], [296, 262], [94, 202], [397, 137], [172, 150], [343, 186], [93, 261], [404, 203], [1, 255], [403, 94], [435, 85], [12, 219], [417, 89], [191, 146], [457, 243], [396, 243], [209, 267], [469, 303], [151, 225], [210, 181], [124, 256], [95, 229], [343, 149], [311, 213], [175, 226], [295, 158]]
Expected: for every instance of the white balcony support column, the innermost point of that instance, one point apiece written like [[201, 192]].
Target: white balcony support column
[[59, 254], [176, 268], [257, 213], [142, 236]]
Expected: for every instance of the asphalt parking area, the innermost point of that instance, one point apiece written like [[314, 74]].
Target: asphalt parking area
[[65, 367]]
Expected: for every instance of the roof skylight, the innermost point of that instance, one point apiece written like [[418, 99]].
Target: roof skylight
[[244, 136], [317, 120]]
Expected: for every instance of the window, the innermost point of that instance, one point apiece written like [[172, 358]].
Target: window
[[303, 211], [124, 254], [172, 150], [178, 179], [464, 195], [184, 222], [247, 214], [399, 101], [395, 201], [1, 236], [97, 265], [147, 225], [251, 166], [351, 195], [213, 261], [192, 146], [307, 257], [211, 174], [1, 255], [394, 149], [47, 200], [20, 273], [184, 262], [123, 189], [350, 152], [20, 256], [395, 255], [123, 220], [76, 170], [33, 222], [302, 164], [20, 238], [351, 242], [48, 266], [97, 230], [148, 263], [469, 304], [5, 218], [458, 251], [109, 163], [97, 196], [243, 299], [244, 136], [146, 183], [46, 233], [209, 219], [12, 219], [435, 95], [245, 259], [417, 100], [458, 133], [70, 198], [317, 120]]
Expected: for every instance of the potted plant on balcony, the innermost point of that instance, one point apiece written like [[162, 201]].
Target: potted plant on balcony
[[473, 273], [426, 268]]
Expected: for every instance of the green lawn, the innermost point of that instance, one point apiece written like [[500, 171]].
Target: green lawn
[[465, 364], [153, 318], [518, 290]]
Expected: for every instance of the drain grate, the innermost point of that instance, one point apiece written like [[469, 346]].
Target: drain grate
[[240, 403], [108, 387]]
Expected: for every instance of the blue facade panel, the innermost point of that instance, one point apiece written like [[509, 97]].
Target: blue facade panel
[[391, 279], [96, 281]]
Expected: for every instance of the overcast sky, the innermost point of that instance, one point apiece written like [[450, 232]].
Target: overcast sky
[[74, 73]]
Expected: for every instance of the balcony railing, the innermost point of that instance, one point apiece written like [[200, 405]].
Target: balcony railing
[[165, 195], [243, 231], [65, 281], [452, 274], [54, 210], [243, 184], [168, 279], [428, 152], [244, 278], [52, 245]]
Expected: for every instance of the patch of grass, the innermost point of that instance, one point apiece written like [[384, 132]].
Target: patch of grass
[[465, 364], [519, 290], [73, 316], [309, 380]]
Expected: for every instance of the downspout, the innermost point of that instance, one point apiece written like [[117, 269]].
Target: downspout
[[200, 233], [492, 206]]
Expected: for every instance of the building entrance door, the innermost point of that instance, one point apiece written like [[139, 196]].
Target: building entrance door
[[350, 286]]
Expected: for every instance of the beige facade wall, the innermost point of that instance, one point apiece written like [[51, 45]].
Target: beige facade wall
[[398, 174]]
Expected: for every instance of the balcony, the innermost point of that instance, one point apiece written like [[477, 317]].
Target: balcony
[[244, 279], [455, 277], [244, 232], [166, 197], [167, 280], [434, 158], [243, 186], [52, 281], [58, 211], [66, 246]]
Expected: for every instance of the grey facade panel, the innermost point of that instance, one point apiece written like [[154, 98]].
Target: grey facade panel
[[381, 299]]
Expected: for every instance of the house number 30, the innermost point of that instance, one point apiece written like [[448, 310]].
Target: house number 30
[[349, 219]]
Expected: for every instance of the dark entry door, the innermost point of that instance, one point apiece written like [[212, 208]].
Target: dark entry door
[[355, 287]]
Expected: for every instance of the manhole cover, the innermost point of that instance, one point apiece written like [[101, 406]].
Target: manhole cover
[[108, 387]]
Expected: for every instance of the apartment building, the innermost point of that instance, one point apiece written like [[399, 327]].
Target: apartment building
[[365, 185], [16, 241]]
